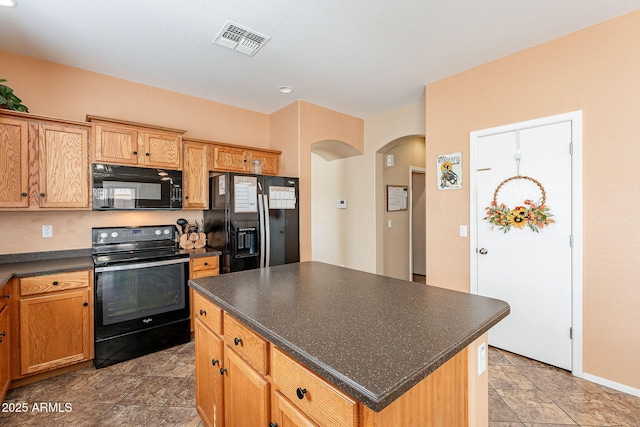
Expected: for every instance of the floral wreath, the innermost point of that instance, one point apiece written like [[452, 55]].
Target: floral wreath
[[536, 216]]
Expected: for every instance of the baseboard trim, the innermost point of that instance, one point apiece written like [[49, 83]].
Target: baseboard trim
[[612, 384]]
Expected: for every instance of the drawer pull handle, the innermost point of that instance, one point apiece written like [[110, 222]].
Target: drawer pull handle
[[203, 312], [223, 371], [147, 154], [237, 341], [206, 263], [135, 153], [3, 334], [86, 304], [55, 283], [24, 194], [214, 362], [6, 296], [273, 424], [42, 194], [301, 392]]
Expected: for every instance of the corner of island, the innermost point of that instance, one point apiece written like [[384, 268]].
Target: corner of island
[[310, 343]]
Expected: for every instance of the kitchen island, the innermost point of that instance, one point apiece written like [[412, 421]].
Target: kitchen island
[[374, 340]]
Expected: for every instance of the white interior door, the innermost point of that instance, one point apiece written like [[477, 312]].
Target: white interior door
[[531, 271]]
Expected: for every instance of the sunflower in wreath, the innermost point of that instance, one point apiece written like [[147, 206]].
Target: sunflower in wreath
[[534, 215]]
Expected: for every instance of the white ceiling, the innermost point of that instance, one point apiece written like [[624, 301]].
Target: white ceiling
[[358, 57]]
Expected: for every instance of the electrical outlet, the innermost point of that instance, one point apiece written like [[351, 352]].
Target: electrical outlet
[[482, 358], [47, 231]]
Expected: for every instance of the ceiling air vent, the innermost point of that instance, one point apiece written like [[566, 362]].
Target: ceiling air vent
[[240, 38]]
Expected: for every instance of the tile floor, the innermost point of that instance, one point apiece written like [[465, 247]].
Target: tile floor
[[159, 390], [526, 393], [153, 390]]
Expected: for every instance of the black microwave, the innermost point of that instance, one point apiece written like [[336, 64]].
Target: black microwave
[[129, 187]]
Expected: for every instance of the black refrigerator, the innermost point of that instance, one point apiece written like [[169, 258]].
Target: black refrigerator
[[253, 220]]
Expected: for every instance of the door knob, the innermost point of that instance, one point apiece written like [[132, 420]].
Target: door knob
[[483, 251]]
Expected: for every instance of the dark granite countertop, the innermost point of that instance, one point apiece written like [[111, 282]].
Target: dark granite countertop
[[371, 336], [36, 263]]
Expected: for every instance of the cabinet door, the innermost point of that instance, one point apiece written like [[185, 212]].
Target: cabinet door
[[246, 393], [287, 415], [209, 397], [116, 145], [270, 162], [195, 177], [5, 376], [63, 166], [229, 159], [162, 150], [14, 163], [55, 330]]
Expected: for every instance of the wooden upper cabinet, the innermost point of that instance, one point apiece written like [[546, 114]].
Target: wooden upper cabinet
[[195, 177], [116, 145], [63, 166], [270, 161], [44, 162], [229, 159], [129, 143], [162, 150], [234, 158], [14, 166]]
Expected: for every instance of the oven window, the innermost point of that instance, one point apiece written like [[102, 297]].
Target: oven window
[[141, 292]]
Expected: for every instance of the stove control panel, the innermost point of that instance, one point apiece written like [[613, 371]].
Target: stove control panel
[[110, 235]]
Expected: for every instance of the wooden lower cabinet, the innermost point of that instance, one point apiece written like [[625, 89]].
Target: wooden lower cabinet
[[287, 394], [5, 373], [200, 267], [209, 391], [246, 393], [285, 414], [55, 326]]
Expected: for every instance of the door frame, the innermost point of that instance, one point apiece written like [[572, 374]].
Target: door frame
[[575, 117], [412, 170]]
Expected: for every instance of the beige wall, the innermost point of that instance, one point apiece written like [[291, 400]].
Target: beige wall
[[59, 91], [355, 235], [284, 136], [318, 124], [596, 70]]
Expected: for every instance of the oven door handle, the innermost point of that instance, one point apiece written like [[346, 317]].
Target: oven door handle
[[141, 265]]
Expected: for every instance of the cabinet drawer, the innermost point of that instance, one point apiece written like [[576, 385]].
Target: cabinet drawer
[[54, 282], [204, 266], [207, 312], [321, 402], [252, 347]]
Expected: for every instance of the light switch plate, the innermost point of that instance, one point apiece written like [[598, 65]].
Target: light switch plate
[[47, 231], [463, 231]]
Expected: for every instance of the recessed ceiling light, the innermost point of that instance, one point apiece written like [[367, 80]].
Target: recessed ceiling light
[[285, 89], [8, 3]]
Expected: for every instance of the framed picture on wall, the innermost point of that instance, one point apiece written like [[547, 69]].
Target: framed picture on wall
[[449, 171], [397, 198]]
